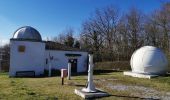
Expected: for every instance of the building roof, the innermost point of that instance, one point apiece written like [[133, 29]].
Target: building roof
[[27, 33], [50, 45], [58, 46]]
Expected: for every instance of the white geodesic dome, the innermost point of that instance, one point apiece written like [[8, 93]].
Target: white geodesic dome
[[149, 60]]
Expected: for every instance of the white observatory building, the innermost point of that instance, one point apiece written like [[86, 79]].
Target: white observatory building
[[147, 62], [29, 54]]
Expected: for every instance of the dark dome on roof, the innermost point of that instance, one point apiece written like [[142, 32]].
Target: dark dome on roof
[[27, 33]]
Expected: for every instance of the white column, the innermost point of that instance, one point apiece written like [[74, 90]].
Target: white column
[[69, 71], [90, 86]]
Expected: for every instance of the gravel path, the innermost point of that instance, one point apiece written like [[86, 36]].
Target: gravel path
[[139, 91]]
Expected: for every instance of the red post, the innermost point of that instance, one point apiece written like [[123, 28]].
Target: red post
[[63, 74]]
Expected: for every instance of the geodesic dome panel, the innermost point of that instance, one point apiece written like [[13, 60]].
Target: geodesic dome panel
[[149, 60]]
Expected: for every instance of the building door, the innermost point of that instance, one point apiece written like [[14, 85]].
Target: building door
[[73, 65]]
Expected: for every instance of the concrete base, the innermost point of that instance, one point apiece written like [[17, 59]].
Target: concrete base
[[139, 75], [87, 95]]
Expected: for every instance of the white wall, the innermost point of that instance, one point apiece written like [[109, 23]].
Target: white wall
[[61, 61], [30, 60], [34, 58]]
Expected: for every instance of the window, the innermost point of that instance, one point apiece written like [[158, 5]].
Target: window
[[21, 48]]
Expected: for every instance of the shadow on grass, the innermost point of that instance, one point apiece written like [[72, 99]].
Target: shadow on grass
[[95, 72], [80, 85], [79, 79], [103, 72], [75, 84]]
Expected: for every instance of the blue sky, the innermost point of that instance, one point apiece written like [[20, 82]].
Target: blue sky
[[51, 17]]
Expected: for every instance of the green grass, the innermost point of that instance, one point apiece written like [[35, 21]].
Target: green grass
[[51, 88]]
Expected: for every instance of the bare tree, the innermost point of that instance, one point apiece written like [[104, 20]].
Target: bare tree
[[152, 36], [101, 28], [106, 21], [66, 37], [135, 28], [76, 44], [162, 17], [60, 38], [91, 37], [5, 51], [123, 47]]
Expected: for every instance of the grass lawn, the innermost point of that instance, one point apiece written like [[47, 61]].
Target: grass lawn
[[118, 86]]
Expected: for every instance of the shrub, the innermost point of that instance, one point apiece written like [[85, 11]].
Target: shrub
[[117, 65], [54, 72]]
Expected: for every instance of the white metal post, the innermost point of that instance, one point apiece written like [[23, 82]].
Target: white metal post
[[69, 71]]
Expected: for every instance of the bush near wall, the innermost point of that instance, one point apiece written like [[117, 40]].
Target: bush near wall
[[4, 66], [116, 65], [168, 57], [54, 72]]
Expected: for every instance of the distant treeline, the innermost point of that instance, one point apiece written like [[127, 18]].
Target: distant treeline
[[113, 36], [4, 57]]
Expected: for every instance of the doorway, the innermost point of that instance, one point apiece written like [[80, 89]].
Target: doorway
[[73, 65]]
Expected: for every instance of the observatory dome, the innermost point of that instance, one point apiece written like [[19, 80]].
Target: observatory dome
[[27, 33], [149, 60]]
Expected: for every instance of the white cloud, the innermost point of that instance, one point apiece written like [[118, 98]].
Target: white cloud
[[3, 42]]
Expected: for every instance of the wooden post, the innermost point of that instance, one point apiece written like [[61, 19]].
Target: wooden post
[[62, 83]]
